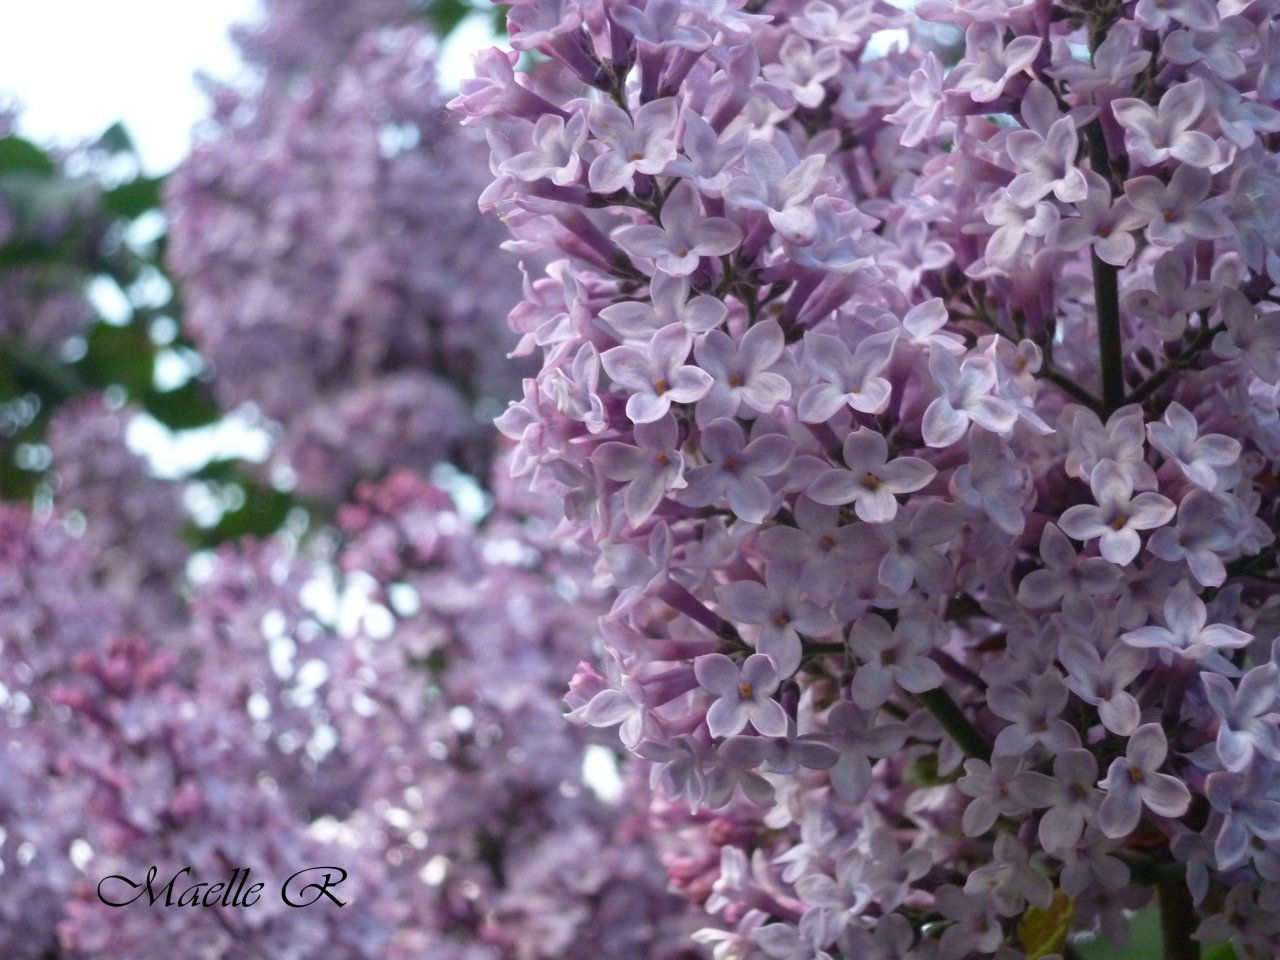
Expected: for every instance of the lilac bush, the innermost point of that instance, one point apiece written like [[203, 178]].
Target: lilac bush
[[381, 691], [334, 273], [280, 736], [923, 398]]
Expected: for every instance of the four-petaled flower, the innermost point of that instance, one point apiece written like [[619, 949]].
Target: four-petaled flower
[[659, 376], [684, 236], [743, 696], [1118, 516], [1133, 781], [1186, 632], [871, 481]]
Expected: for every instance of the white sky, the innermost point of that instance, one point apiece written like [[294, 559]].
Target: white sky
[[77, 66]]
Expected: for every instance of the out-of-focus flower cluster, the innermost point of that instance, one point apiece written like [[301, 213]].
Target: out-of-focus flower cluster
[[350, 717], [924, 420], [42, 301], [384, 697], [133, 522], [334, 271]]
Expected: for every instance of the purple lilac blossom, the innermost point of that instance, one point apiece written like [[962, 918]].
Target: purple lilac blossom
[[996, 215]]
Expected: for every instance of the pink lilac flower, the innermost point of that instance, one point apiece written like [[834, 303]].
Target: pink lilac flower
[[683, 235], [1202, 536], [779, 608], [1034, 717], [845, 378], [1187, 632], [989, 63], [1198, 457], [1069, 795], [650, 468], [1251, 333], [891, 657], [871, 481], [1048, 164], [1247, 714], [778, 183], [1218, 47], [555, 152], [1153, 135], [742, 371], [1103, 681], [642, 145], [1132, 782], [1180, 209], [1173, 300], [658, 376], [1119, 515], [1105, 226], [1159, 14], [736, 469], [966, 387], [743, 695]]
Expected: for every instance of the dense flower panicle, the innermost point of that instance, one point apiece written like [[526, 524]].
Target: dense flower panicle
[[930, 408], [42, 301], [340, 710], [133, 520], [334, 271]]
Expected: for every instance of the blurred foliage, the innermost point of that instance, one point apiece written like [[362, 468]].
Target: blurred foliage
[[446, 15], [1145, 942], [97, 246]]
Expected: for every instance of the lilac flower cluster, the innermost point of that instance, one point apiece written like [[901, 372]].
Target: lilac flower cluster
[[133, 521], [42, 300], [333, 270], [338, 710], [924, 422]]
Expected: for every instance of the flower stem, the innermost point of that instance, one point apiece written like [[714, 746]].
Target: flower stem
[[952, 719], [1106, 296], [1177, 919]]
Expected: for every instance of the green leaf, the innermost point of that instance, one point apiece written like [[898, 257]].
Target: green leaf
[[131, 200], [1044, 931], [447, 14], [184, 408], [219, 471], [22, 156], [116, 139], [1144, 940], [118, 355], [262, 514]]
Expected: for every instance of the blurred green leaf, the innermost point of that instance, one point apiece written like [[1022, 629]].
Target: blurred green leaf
[[118, 355], [22, 156], [219, 471], [116, 139], [182, 408], [1044, 931], [131, 200], [263, 513], [445, 15], [1144, 940]]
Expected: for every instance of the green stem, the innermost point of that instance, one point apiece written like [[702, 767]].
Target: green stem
[[952, 719], [1178, 920], [1106, 295]]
